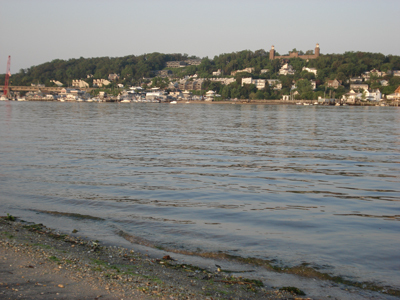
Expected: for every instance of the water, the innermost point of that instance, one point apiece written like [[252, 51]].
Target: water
[[292, 184]]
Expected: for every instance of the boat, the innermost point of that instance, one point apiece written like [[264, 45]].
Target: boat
[[337, 104], [315, 103], [3, 98], [126, 101], [173, 102], [306, 104]]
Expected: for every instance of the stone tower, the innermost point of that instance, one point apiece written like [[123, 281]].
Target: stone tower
[[316, 52], [272, 53]]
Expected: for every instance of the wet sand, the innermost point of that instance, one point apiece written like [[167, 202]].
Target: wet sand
[[37, 262]]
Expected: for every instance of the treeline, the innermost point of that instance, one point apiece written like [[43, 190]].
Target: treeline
[[141, 69]]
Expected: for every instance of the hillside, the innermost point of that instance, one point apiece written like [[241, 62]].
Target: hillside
[[135, 70]]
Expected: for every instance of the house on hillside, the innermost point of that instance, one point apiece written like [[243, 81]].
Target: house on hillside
[[78, 83], [246, 70], [57, 83], [334, 83], [100, 82], [275, 84], [358, 79], [113, 77], [384, 82], [217, 73], [176, 64], [259, 83], [311, 70], [359, 86], [286, 69]]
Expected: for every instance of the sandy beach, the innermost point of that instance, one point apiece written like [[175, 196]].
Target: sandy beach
[[39, 263]]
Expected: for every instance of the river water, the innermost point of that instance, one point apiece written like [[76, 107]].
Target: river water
[[293, 184]]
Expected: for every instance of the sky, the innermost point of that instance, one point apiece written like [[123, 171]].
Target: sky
[[38, 31]]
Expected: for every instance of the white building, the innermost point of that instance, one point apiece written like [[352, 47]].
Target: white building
[[79, 83], [100, 82], [311, 70], [286, 69], [217, 73], [374, 95], [57, 83], [248, 70], [351, 97], [259, 83]]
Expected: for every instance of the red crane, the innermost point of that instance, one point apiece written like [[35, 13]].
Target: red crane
[[8, 74]]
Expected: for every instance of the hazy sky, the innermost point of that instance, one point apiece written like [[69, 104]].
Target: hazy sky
[[37, 31]]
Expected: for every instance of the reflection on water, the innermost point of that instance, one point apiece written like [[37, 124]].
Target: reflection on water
[[315, 185]]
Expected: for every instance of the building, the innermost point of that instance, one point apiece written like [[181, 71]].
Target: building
[[217, 73], [384, 83], [313, 84], [359, 86], [78, 83], [374, 95], [294, 54], [193, 61], [100, 82], [259, 83], [176, 64], [334, 83], [374, 72], [113, 77], [57, 83], [395, 95], [351, 97], [263, 71], [311, 70], [196, 85], [358, 79], [224, 81], [246, 70], [286, 69], [275, 84]]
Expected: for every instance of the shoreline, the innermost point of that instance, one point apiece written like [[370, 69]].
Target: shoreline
[[241, 102], [113, 272]]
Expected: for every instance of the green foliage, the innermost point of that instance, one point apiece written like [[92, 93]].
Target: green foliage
[[10, 217]]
